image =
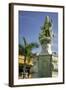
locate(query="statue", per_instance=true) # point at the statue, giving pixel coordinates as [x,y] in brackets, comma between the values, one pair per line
[45,36]
[45,57]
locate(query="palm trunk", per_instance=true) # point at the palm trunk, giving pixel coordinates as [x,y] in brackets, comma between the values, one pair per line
[24,67]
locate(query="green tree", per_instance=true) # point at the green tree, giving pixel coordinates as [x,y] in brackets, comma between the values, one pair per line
[27,52]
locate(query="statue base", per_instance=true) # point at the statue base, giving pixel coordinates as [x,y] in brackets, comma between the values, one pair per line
[45,66]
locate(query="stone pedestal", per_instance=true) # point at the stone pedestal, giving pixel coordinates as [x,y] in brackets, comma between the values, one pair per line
[45,66]
[45,61]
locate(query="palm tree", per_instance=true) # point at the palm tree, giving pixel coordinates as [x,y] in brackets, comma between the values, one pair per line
[27,52]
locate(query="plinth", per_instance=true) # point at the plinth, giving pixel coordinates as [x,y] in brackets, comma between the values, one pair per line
[45,60]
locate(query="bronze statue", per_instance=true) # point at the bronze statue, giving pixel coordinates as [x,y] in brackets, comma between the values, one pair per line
[46,31]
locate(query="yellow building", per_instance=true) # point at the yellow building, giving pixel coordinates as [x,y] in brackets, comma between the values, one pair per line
[21,64]
[21,60]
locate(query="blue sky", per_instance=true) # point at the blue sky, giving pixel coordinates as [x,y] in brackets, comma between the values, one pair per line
[30,26]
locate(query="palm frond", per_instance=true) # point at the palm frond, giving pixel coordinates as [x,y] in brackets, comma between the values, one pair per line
[25,42]
[33,45]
